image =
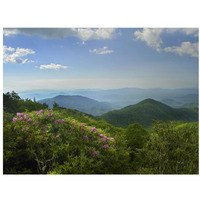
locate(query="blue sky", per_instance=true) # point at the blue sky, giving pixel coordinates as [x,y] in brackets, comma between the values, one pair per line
[83,58]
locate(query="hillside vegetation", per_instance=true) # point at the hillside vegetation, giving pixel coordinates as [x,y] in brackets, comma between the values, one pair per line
[146,111]
[67,141]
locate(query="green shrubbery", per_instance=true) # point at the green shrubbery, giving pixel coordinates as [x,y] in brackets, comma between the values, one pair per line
[45,143]
[171,149]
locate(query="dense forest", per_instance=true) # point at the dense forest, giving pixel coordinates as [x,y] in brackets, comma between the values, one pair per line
[39,140]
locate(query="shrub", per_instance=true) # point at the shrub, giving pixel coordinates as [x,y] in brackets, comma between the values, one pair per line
[171,149]
[57,145]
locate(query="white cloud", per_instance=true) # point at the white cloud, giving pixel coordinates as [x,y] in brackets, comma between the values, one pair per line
[185,48]
[151,36]
[82,33]
[12,55]
[187,31]
[53,66]
[103,50]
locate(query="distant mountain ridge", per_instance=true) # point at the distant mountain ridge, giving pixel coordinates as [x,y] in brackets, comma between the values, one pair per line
[80,103]
[146,111]
[123,96]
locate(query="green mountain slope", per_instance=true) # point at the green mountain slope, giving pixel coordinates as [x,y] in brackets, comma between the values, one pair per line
[146,111]
[80,103]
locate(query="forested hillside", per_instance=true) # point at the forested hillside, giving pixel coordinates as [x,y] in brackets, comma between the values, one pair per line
[146,111]
[67,141]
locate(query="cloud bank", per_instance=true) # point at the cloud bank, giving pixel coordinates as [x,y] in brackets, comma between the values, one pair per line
[152,37]
[187,48]
[53,66]
[103,50]
[15,56]
[60,33]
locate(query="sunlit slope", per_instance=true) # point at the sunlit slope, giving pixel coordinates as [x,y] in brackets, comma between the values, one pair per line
[146,111]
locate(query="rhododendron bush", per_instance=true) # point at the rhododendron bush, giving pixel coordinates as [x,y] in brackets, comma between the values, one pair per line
[47,143]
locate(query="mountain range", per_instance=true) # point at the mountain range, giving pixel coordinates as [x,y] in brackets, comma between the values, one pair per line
[80,103]
[125,96]
[143,112]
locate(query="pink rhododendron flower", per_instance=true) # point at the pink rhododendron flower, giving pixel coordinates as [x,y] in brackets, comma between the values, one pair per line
[49,114]
[15,119]
[105,137]
[95,153]
[63,121]
[100,135]
[23,129]
[57,136]
[104,140]
[35,122]
[20,114]
[57,121]
[83,125]
[21,118]
[85,137]
[112,138]
[41,111]
[105,146]
[93,129]
[28,120]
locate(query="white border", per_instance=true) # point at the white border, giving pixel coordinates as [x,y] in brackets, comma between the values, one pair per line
[103,13]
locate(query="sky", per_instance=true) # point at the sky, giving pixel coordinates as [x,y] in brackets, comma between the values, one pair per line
[99,58]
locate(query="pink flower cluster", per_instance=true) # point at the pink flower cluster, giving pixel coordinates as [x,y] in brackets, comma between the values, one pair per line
[59,121]
[100,135]
[85,137]
[20,114]
[93,129]
[83,125]
[28,120]
[15,119]
[105,146]
[95,153]
[49,114]
[39,112]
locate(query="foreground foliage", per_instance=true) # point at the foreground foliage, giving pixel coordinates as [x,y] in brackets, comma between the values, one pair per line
[171,149]
[43,142]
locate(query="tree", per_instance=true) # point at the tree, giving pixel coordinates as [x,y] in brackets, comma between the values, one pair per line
[55,106]
[136,137]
